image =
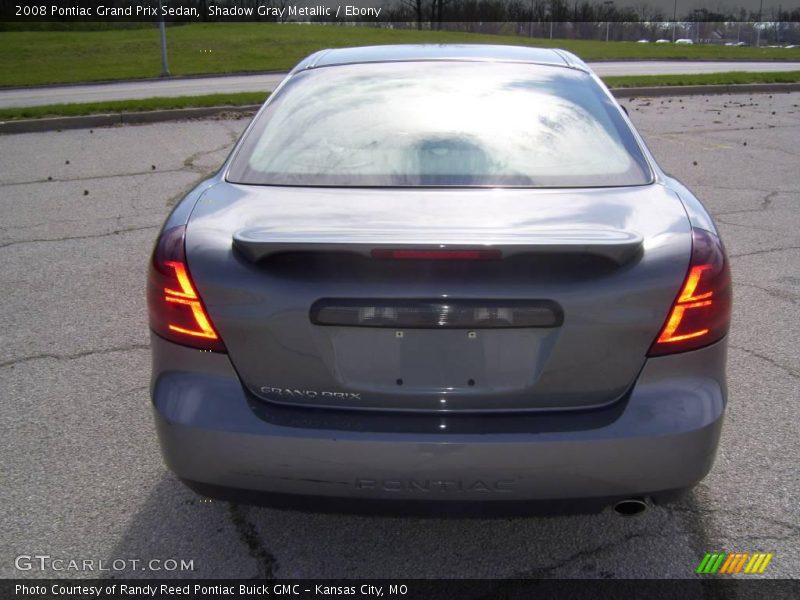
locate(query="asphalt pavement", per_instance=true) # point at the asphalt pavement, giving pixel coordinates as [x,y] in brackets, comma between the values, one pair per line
[81,470]
[266,82]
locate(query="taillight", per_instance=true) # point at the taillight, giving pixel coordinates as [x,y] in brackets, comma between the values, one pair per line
[701,314]
[176,309]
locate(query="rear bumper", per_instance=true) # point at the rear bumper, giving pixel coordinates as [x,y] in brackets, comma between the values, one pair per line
[663,436]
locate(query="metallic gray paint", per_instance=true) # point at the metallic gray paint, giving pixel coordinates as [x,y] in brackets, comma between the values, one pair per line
[441,52]
[612,316]
[664,438]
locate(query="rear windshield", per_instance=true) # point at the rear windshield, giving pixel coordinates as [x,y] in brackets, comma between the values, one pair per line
[440,124]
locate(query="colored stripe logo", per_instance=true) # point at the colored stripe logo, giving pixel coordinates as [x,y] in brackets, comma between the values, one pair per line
[735,562]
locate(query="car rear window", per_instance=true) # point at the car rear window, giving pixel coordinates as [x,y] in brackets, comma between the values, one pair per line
[440,124]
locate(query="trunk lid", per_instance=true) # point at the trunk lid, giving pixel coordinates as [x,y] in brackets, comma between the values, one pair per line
[297,282]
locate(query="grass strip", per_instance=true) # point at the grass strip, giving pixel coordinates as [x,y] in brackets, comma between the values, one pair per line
[41,57]
[145,104]
[726,78]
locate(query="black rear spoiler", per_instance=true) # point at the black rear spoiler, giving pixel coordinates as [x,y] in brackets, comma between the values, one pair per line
[616,245]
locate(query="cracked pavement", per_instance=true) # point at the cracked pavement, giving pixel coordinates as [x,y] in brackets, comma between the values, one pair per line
[82,473]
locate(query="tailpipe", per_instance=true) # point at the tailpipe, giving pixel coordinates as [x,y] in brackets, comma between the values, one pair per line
[630,507]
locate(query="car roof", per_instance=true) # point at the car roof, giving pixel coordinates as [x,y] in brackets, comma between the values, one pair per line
[443,52]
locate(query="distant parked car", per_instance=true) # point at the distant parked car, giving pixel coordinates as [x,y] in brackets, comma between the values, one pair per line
[662,41]
[643,42]
[684,41]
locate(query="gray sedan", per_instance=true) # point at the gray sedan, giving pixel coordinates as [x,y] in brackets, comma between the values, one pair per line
[440,273]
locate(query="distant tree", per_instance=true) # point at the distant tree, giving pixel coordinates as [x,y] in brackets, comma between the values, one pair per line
[417,8]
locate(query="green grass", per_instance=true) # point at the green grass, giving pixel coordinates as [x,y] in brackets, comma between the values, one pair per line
[39,57]
[246,98]
[727,78]
[145,104]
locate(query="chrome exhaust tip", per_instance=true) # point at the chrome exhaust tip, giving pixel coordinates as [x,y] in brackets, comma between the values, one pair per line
[630,507]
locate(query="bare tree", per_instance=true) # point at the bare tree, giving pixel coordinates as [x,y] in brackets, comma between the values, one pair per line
[418,8]
[438,11]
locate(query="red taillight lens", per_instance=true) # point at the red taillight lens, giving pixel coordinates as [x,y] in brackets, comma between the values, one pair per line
[701,314]
[176,309]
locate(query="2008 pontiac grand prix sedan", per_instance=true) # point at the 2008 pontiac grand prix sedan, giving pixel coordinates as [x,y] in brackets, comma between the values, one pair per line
[440,273]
